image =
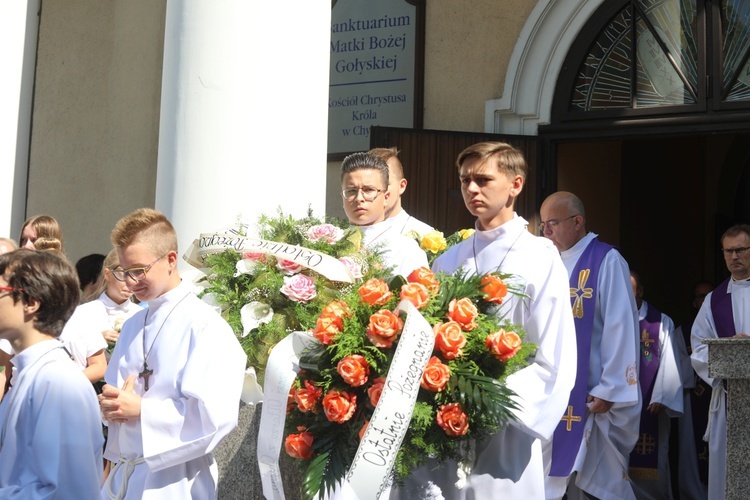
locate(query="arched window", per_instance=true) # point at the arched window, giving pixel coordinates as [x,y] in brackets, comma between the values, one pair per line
[658,57]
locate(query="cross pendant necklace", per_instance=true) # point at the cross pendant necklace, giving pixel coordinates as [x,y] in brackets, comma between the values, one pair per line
[146,372]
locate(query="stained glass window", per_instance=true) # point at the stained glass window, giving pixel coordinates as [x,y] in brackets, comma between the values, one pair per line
[647,56]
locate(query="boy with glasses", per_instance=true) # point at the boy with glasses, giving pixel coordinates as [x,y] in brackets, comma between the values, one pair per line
[605,404]
[179,369]
[724,314]
[364,189]
[50,429]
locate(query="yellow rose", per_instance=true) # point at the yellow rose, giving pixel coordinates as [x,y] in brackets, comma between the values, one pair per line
[433,242]
[465,233]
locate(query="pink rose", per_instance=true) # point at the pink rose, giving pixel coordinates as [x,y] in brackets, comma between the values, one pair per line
[256,256]
[354,269]
[325,232]
[300,288]
[289,266]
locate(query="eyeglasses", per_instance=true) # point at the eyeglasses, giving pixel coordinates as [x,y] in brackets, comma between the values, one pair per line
[553,222]
[10,289]
[739,251]
[368,193]
[136,273]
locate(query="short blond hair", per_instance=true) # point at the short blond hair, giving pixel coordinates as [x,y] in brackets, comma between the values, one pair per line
[147,226]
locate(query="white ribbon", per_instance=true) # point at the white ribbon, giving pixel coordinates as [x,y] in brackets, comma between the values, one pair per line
[281,370]
[322,263]
[370,470]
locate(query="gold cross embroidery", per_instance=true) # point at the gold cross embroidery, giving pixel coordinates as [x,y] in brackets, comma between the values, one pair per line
[581,293]
[570,418]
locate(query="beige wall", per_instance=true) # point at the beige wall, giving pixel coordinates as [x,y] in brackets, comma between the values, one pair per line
[96,116]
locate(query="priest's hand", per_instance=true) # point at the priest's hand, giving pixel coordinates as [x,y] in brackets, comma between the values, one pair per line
[656,408]
[598,405]
[120,405]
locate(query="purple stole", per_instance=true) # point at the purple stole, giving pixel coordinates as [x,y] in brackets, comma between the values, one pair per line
[566,440]
[721,309]
[644,459]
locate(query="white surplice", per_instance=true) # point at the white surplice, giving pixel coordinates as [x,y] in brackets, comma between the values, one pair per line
[399,252]
[510,465]
[406,224]
[51,429]
[602,460]
[705,328]
[82,334]
[667,391]
[191,405]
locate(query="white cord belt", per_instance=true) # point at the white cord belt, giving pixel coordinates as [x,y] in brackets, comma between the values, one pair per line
[128,466]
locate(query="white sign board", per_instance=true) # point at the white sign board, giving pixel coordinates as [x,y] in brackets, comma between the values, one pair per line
[373,49]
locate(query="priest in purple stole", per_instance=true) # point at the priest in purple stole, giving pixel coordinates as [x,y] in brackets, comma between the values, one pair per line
[661,386]
[725,313]
[606,398]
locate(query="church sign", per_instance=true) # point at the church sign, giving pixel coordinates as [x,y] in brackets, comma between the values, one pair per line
[377,50]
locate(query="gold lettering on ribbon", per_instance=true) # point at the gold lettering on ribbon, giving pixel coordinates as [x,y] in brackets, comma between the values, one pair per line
[581,293]
[570,418]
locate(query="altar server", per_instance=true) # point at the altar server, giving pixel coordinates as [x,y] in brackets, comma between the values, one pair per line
[364,188]
[509,464]
[50,428]
[175,376]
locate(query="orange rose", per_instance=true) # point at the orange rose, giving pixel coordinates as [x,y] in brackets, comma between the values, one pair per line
[463,312]
[307,398]
[375,390]
[416,293]
[326,328]
[384,328]
[337,309]
[494,288]
[339,405]
[436,375]
[354,370]
[299,445]
[363,429]
[503,345]
[375,292]
[452,419]
[425,277]
[449,339]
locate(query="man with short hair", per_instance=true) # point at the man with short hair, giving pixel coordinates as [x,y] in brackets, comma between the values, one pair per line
[605,404]
[179,369]
[724,314]
[364,188]
[50,429]
[402,221]
[509,464]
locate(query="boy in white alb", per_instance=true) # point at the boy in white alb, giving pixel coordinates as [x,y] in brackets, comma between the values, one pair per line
[179,369]
[364,188]
[50,429]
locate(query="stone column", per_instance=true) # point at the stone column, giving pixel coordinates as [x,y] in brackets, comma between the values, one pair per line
[19,23]
[244,112]
[730,359]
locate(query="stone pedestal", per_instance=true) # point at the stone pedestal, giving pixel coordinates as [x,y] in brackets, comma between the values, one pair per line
[730,359]
[239,475]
